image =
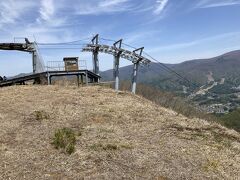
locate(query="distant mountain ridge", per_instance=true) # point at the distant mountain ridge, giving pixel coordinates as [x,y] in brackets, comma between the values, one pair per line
[217,77]
[220,66]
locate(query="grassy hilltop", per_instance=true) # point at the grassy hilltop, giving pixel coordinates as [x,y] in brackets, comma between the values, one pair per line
[113,136]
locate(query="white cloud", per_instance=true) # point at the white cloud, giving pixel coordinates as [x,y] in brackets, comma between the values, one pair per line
[95,7]
[198,49]
[108,3]
[216,3]
[49,14]
[12,10]
[138,38]
[160,6]
[197,42]
[47,9]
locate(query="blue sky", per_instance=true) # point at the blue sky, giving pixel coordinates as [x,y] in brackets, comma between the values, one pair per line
[170,30]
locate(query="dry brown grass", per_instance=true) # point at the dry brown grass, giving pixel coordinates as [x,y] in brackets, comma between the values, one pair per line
[119,136]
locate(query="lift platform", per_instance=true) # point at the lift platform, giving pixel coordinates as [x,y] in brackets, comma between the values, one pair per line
[83,77]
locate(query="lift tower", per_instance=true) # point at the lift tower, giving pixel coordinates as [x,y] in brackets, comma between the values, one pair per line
[31,47]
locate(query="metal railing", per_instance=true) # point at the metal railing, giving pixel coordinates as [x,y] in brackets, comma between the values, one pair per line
[60,65]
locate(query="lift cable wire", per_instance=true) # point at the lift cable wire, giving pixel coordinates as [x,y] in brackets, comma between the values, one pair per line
[173,82]
[49,44]
[168,79]
[208,92]
[160,64]
[66,43]
[193,84]
[111,40]
[171,70]
[60,48]
[165,78]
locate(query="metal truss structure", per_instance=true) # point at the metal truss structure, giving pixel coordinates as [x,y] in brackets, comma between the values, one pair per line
[31,47]
[125,54]
[118,52]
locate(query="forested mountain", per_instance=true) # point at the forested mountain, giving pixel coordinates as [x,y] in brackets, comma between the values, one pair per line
[215,82]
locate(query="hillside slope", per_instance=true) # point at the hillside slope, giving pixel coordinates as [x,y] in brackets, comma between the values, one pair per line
[119,136]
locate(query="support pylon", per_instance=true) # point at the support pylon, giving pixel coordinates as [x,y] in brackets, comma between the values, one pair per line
[95,55]
[135,70]
[116,62]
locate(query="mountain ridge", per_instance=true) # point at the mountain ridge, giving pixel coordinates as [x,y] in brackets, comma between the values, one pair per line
[218,78]
[221,58]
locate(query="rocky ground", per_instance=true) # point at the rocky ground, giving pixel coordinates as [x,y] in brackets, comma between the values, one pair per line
[119,136]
